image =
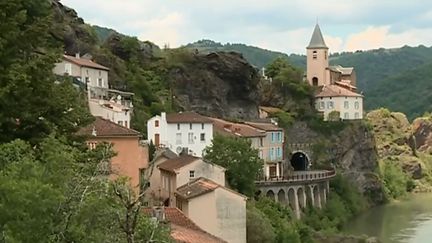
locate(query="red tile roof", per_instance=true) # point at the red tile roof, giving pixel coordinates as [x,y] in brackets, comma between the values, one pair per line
[84,62]
[186,117]
[199,187]
[336,91]
[105,128]
[235,129]
[264,126]
[173,164]
[183,229]
[269,109]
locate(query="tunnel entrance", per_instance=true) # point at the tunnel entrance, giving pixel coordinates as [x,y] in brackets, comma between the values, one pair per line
[299,161]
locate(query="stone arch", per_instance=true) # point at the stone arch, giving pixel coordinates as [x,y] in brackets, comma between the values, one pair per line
[299,160]
[292,198]
[309,196]
[270,194]
[301,197]
[314,81]
[323,193]
[281,197]
[316,194]
[258,194]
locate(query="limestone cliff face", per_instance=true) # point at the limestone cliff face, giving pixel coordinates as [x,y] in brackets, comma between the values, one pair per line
[220,84]
[350,148]
[394,140]
[422,131]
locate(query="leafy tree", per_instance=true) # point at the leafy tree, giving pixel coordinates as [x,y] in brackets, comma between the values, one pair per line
[258,227]
[239,158]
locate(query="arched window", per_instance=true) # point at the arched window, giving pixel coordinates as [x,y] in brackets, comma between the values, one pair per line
[314,54]
[315,81]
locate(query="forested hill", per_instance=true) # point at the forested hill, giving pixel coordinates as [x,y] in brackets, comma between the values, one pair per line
[379,72]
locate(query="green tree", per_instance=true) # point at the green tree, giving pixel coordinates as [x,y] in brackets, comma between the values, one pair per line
[258,227]
[239,158]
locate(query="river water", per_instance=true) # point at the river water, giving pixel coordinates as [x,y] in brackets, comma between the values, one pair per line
[407,221]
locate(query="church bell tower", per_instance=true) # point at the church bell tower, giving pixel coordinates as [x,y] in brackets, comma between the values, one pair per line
[317,59]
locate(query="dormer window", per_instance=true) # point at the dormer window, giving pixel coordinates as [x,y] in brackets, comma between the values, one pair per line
[314,54]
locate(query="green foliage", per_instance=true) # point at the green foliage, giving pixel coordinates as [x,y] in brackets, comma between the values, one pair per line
[258,222]
[396,182]
[285,119]
[334,116]
[241,161]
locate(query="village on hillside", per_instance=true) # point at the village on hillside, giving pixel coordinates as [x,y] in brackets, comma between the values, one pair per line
[180,186]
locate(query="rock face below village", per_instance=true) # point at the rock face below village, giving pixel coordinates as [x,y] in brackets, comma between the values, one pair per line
[219,84]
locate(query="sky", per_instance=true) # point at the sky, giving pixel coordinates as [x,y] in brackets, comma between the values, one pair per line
[279,25]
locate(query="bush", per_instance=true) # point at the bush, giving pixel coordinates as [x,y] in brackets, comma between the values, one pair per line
[396,182]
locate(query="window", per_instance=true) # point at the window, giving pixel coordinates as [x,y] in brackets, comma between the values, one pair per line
[279,153]
[314,54]
[92,145]
[87,71]
[346,115]
[356,115]
[178,126]
[356,105]
[272,137]
[68,68]
[325,55]
[202,126]
[346,105]
[329,104]
[272,154]
[322,105]
[280,136]
[261,142]
[315,81]
[126,124]
[100,73]
[191,174]
[120,123]
[157,123]
[178,138]
[202,137]
[190,126]
[190,138]
[87,79]
[100,82]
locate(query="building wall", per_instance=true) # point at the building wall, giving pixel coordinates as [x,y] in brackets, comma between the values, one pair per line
[202,211]
[83,72]
[168,135]
[130,159]
[352,112]
[118,116]
[201,169]
[273,152]
[231,216]
[155,193]
[317,67]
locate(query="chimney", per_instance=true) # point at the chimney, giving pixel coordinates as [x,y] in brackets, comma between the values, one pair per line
[163,116]
[159,213]
[77,55]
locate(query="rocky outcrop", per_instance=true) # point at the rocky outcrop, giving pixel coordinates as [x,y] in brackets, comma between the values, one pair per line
[422,131]
[393,134]
[220,84]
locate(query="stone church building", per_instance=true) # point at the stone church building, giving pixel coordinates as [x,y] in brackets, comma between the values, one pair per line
[337,96]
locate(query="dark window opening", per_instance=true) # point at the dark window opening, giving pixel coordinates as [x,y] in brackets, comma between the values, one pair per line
[315,81]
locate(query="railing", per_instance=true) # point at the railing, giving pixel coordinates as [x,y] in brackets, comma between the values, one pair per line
[301,176]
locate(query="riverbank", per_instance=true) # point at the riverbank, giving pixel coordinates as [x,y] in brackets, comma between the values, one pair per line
[408,220]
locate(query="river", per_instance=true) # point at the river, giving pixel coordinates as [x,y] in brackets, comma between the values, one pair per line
[407,221]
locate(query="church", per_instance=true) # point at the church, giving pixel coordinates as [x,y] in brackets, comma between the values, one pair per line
[336,97]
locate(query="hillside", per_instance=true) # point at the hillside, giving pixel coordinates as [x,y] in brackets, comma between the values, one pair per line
[383,74]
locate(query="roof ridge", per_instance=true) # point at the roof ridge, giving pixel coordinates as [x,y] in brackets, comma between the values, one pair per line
[118,125]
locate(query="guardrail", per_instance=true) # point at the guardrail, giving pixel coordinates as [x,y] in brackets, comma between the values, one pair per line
[299,176]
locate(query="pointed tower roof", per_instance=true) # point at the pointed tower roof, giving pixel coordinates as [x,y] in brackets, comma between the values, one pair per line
[317,40]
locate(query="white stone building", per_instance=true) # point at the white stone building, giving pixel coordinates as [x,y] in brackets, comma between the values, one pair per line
[336,85]
[185,131]
[110,104]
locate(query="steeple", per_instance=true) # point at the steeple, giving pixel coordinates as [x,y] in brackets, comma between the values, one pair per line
[317,40]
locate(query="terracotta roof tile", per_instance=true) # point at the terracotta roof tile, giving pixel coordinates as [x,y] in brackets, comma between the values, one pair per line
[84,62]
[175,163]
[235,129]
[269,109]
[199,187]
[264,126]
[186,117]
[183,229]
[105,128]
[336,91]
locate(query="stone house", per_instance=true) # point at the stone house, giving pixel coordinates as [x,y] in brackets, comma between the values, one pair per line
[169,171]
[108,103]
[132,156]
[215,208]
[266,111]
[181,132]
[183,230]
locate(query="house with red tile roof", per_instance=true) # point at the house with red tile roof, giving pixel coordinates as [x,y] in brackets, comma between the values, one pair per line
[181,132]
[131,157]
[108,103]
[336,85]
[183,229]
[167,173]
[225,209]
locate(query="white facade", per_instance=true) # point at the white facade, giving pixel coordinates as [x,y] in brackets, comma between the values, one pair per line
[188,135]
[115,112]
[350,108]
[197,169]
